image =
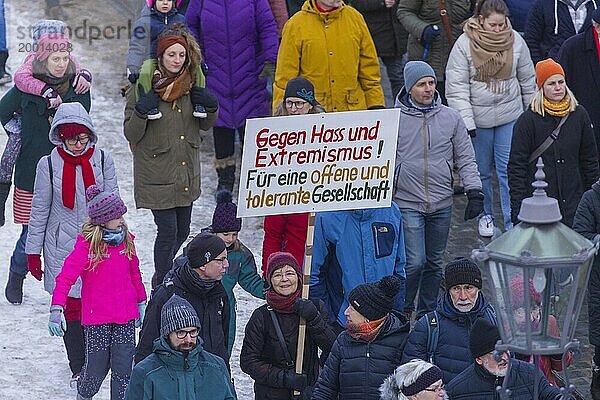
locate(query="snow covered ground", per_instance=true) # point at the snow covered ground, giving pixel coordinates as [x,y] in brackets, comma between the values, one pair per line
[34,365]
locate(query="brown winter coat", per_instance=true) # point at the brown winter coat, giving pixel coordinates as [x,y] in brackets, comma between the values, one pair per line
[416,15]
[166,153]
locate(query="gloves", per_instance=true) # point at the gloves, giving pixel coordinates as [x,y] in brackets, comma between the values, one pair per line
[268,71]
[147,101]
[82,81]
[305,308]
[376,108]
[142,310]
[51,97]
[430,34]
[133,77]
[472,132]
[295,381]
[57,324]
[200,95]
[34,264]
[474,204]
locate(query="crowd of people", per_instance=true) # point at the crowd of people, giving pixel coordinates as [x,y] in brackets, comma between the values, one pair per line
[481,89]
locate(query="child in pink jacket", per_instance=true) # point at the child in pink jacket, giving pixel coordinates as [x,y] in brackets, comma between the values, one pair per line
[26,81]
[113,297]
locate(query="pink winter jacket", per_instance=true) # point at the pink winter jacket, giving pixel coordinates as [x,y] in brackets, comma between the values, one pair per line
[110,292]
[24,80]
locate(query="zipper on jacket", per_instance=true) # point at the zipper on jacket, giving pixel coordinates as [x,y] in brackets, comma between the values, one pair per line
[426,172]
[376,241]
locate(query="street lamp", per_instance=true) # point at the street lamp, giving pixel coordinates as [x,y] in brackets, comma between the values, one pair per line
[538,273]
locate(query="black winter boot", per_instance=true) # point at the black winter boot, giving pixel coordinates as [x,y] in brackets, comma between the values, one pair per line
[5,77]
[4,190]
[14,288]
[595,386]
[226,172]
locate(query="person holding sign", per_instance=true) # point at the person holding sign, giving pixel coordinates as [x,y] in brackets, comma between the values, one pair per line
[329,43]
[431,138]
[270,343]
[287,232]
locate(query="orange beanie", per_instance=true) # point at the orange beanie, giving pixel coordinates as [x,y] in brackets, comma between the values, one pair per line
[545,69]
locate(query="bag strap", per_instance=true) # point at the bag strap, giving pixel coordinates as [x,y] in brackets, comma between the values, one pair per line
[548,142]
[446,21]
[286,353]
[433,330]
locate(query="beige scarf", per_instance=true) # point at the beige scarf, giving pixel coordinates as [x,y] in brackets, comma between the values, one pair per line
[492,54]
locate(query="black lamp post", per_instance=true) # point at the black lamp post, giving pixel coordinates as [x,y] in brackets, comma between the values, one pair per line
[538,272]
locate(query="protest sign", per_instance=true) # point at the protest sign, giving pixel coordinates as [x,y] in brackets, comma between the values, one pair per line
[318,162]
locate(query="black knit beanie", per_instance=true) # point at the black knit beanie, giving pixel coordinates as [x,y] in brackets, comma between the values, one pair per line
[375,300]
[204,248]
[483,337]
[302,88]
[462,271]
[224,218]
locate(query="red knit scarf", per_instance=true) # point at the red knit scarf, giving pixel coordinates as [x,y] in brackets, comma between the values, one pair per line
[68,175]
[366,331]
[283,304]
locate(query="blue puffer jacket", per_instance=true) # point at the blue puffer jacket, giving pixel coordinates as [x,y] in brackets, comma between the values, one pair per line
[355,369]
[452,354]
[355,247]
[477,383]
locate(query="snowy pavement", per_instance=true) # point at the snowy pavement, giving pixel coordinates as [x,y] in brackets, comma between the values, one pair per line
[34,365]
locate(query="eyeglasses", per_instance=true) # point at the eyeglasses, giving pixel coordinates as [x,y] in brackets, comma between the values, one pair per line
[436,389]
[297,104]
[181,334]
[83,139]
[221,260]
[278,276]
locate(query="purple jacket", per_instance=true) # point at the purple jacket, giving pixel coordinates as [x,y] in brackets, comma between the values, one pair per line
[236,37]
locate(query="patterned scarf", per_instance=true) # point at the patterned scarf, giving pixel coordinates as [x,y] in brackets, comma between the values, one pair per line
[559,109]
[366,331]
[492,54]
[69,173]
[171,87]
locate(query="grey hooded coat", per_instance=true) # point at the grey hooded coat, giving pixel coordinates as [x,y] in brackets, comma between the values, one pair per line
[53,227]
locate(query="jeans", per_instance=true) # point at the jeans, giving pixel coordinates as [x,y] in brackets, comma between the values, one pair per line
[173,228]
[18,260]
[425,237]
[395,72]
[2,28]
[492,147]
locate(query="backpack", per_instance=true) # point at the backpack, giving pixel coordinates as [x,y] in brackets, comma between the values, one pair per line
[433,330]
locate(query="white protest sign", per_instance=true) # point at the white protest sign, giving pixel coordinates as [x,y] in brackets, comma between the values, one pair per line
[318,162]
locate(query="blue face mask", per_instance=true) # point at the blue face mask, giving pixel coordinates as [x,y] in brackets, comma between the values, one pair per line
[113,237]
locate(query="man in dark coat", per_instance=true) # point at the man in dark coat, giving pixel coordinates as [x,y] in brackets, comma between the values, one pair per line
[579,57]
[518,13]
[179,364]
[389,36]
[480,379]
[587,223]
[196,277]
[457,310]
[551,22]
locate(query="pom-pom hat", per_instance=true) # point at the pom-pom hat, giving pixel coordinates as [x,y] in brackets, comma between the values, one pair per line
[224,218]
[103,206]
[375,300]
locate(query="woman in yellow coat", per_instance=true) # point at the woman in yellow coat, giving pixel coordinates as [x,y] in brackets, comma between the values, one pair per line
[328,43]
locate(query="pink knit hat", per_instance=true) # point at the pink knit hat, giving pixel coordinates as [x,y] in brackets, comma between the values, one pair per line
[50,43]
[103,206]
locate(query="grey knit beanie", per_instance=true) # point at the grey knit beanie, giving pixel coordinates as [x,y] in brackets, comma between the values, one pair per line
[415,70]
[177,313]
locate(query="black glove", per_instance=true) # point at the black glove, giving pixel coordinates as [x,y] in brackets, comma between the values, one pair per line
[430,34]
[376,108]
[472,132]
[474,204]
[147,101]
[305,308]
[133,77]
[203,96]
[295,381]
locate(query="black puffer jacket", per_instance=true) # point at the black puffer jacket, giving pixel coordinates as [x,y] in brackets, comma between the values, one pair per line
[570,163]
[477,383]
[263,358]
[211,305]
[355,369]
[587,223]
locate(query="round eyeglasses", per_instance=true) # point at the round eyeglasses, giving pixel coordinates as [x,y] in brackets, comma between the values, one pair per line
[181,334]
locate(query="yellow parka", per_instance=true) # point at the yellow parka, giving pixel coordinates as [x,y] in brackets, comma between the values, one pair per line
[336,53]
